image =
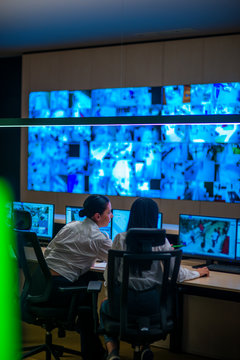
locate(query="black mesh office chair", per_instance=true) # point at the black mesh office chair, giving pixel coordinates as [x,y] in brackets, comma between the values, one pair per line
[141,317]
[35,294]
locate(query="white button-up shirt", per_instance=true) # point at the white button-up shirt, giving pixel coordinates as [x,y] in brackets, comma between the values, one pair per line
[76,247]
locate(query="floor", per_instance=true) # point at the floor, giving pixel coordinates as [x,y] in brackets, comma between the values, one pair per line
[32,335]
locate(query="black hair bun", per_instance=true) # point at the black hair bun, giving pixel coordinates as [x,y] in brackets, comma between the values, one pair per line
[82,213]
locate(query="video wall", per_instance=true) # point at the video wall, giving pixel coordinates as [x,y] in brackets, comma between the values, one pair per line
[201,99]
[185,161]
[190,162]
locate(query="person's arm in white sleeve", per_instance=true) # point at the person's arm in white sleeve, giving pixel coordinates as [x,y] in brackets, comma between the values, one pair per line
[184,273]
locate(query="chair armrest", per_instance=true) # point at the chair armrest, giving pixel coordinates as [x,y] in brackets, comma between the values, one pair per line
[72,289]
[94,286]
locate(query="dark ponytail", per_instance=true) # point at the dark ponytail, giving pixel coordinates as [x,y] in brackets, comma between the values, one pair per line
[94,204]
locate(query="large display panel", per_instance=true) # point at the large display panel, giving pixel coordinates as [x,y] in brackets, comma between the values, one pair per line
[211,238]
[120,221]
[42,218]
[72,214]
[178,162]
[197,99]
[238,242]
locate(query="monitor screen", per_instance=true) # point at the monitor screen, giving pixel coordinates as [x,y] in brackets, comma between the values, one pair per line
[208,237]
[120,221]
[238,241]
[42,218]
[72,214]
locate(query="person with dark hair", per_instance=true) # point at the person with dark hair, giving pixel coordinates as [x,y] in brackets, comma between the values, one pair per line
[70,256]
[143,214]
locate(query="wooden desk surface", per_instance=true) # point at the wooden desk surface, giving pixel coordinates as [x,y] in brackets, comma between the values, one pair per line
[216,280]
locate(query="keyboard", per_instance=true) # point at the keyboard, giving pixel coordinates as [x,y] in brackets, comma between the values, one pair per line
[232,269]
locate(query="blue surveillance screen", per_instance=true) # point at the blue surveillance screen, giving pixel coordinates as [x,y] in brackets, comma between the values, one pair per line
[120,221]
[173,161]
[179,162]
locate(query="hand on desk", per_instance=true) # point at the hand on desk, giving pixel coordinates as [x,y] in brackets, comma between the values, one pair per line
[203,271]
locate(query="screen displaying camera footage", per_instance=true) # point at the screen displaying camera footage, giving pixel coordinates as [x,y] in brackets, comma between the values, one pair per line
[184,162]
[202,99]
[120,221]
[207,236]
[42,217]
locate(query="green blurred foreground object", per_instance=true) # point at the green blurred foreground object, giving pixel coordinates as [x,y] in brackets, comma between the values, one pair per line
[10,345]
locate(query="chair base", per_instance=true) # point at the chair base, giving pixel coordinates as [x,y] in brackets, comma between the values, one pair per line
[51,350]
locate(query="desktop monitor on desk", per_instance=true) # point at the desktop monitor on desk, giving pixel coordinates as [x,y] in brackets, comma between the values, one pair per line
[238,242]
[209,238]
[42,218]
[120,221]
[72,214]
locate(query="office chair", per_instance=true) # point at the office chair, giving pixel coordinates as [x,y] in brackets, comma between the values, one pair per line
[34,296]
[156,315]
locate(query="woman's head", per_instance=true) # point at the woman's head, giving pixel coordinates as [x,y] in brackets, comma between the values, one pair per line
[143,214]
[98,208]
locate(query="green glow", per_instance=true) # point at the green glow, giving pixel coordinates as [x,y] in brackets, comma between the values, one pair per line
[10,345]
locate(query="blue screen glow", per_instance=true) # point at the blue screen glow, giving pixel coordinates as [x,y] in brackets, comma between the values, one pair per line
[202,99]
[190,162]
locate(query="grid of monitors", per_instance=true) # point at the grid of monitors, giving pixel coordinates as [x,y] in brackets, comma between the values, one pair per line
[192,99]
[72,214]
[176,162]
[42,218]
[238,242]
[211,238]
[120,221]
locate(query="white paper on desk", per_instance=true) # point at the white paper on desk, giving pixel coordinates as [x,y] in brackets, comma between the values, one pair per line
[100,265]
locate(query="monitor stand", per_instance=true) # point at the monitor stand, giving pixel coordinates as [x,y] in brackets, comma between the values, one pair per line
[197,266]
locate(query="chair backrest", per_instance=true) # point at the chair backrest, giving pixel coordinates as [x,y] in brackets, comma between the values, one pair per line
[31,260]
[144,314]
[22,220]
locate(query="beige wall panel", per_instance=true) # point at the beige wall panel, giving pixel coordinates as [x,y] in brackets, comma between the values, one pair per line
[74,69]
[221,59]
[172,208]
[183,61]
[219,209]
[144,64]
[108,67]
[209,327]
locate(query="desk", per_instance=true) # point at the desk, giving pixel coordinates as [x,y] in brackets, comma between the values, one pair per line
[209,321]
[210,316]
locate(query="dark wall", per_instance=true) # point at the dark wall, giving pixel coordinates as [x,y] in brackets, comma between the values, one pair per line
[10,107]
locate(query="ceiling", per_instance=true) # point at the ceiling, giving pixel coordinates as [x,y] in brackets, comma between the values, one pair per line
[43,25]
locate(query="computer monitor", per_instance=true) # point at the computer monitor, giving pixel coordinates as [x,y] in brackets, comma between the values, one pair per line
[42,218]
[206,237]
[238,242]
[72,214]
[120,221]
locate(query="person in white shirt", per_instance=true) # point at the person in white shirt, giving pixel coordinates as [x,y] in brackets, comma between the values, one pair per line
[143,214]
[70,256]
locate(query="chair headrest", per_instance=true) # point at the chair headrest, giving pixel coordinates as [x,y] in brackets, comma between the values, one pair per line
[22,220]
[142,240]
